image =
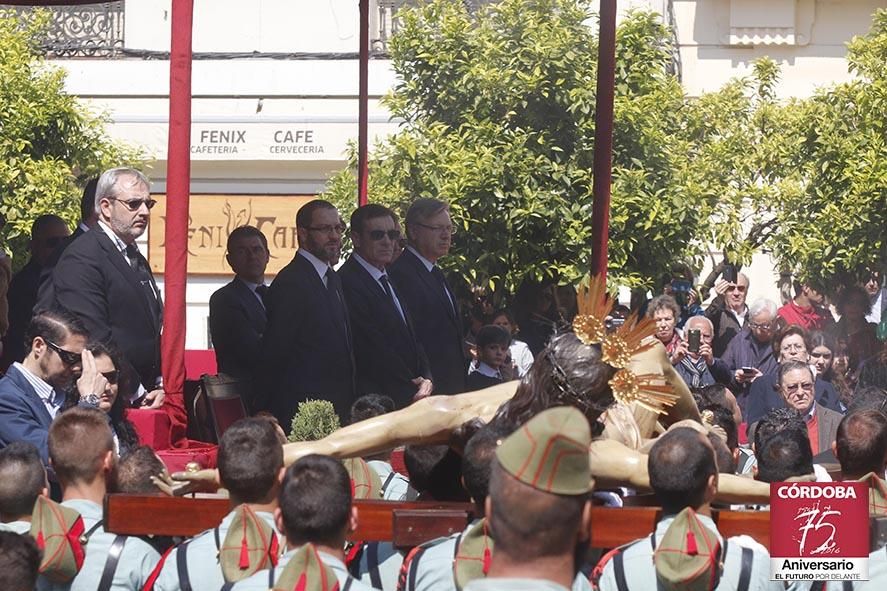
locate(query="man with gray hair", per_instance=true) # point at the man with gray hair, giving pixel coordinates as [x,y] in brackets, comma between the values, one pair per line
[104,280]
[421,283]
[750,354]
[728,312]
[694,359]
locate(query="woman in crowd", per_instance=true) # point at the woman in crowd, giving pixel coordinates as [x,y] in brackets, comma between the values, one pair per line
[789,344]
[112,400]
[666,312]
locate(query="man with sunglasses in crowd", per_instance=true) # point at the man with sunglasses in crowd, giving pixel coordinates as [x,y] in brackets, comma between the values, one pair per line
[389,359]
[32,392]
[48,232]
[306,346]
[104,280]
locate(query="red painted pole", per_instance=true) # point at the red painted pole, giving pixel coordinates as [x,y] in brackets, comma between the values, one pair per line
[603,137]
[362,102]
[178,189]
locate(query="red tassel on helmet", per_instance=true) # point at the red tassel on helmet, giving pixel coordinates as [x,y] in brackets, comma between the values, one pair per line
[692,549]
[488,557]
[302,584]
[244,550]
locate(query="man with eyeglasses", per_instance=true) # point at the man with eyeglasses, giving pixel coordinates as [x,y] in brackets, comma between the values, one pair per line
[797,386]
[728,312]
[47,233]
[750,354]
[306,348]
[389,359]
[422,285]
[103,279]
[32,392]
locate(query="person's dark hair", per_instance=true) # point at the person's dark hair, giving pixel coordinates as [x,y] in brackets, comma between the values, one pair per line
[788,366]
[78,441]
[368,212]
[492,334]
[723,418]
[44,221]
[566,373]
[479,454]
[861,443]
[783,455]
[87,200]
[369,406]
[723,455]
[422,209]
[818,338]
[712,394]
[250,458]
[315,500]
[527,523]
[776,420]
[679,465]
[869,397]
[135,469]
[245,232]
[127,436]
[22,478]
[791,329]
[53,325]
[503,312]
[434,472]
[19,562]
[853,292]
[305,215]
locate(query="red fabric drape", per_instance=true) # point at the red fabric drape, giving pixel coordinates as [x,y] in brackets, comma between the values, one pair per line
[178,188]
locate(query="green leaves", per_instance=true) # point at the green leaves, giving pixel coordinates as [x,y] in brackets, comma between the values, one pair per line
[49,142]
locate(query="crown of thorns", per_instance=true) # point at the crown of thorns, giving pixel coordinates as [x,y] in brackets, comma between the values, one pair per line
[618,348]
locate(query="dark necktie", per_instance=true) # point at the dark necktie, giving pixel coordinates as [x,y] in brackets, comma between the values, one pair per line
[386,285]
[439,276]
[262,291]
[140,266]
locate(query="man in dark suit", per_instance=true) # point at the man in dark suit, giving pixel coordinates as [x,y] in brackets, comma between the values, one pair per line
[389,360]
[306,348]
[423,287]
[32,392]
[103,279]
[237,310]
[47,234]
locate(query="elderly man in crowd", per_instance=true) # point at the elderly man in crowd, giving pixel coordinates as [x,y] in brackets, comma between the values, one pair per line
[694,359]
[750,354]
[103,279]
[728,312]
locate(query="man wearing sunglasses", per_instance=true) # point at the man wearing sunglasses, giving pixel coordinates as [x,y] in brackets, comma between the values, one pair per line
[32,392]
[103,279]
[47,233]
[388,357]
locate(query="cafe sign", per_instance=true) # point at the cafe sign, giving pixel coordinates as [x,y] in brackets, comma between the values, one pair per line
[211,218]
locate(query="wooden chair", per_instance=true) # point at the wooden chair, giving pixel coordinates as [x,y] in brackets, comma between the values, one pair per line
[220,403]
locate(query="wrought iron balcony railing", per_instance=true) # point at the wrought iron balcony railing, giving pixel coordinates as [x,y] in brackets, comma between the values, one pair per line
[87,30]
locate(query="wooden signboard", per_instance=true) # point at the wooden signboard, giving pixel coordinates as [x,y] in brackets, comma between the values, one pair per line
[211,219]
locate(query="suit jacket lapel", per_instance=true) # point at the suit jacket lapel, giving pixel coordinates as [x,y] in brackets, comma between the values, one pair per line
[118,260]
[31,398]
[432,284]
[253,307]
[375,288]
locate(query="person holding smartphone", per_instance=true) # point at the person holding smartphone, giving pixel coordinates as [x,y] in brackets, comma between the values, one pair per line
[728,311]
[694,359]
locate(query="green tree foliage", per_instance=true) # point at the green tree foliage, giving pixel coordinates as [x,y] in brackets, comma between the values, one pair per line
[49,143]
[314,419]
[836,225]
